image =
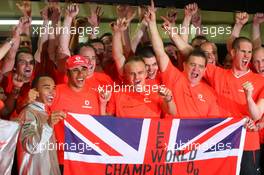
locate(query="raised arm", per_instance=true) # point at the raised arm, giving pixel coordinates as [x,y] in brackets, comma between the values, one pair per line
[9,60]
[53,37]
[5,47]
[189,11]
[183,46]
[127,12]
[140,31]
[71,12]
[94,20]
[117,50]
[157,43]
[197,22]
[241,19]
[25,9]
[258,19]
[43,37]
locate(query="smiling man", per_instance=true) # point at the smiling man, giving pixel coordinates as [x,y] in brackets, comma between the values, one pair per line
[37,131]
[76,96]
[24,69]
[258,60]
[133,100]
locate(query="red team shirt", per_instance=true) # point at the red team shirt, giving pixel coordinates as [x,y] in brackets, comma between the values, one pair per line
[7,84]
[83,102]
[191,102]
[232,98]
[135,105]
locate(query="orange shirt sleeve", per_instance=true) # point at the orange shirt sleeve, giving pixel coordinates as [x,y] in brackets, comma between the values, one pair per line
[210,73]
[170,75]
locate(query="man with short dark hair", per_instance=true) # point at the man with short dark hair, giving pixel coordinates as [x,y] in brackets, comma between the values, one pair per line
[17,83]
[228,85]
[137,99]
[37,132]
[76,96]
[193,97]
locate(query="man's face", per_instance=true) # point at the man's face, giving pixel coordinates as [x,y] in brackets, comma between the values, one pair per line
[171,51]
[210,53]
[107,40]
[258,61]
[77,77]
[151,67]
[25,64]
[99,50]
[135,73]
[194,69]
[197,42]
[89,54]
[25,42]
[242,56]
[227,63]
[46,89]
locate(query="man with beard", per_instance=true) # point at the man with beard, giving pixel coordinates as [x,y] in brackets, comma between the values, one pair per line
[193,97]
[75,96]
[37,131]
[24,68]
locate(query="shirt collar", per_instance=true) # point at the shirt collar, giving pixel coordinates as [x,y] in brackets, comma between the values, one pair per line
[241,75]
[38,106]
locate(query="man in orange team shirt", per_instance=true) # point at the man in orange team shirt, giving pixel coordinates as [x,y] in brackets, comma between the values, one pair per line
[75,96]
[229,87]
[147,54]
[86,50]
[192,96]
[258,64]
[135,100]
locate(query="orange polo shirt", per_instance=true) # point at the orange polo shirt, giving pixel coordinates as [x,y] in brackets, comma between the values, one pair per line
[135,105]
[191,102]
[83,102]
[232,97]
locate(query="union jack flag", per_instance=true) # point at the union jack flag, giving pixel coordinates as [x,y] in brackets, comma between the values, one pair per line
[107,145]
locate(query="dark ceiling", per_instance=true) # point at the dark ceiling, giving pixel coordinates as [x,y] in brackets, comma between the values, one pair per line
[250,6]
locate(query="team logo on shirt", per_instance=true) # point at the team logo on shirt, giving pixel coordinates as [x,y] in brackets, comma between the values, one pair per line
[200,97]
[147,100]
[87,104]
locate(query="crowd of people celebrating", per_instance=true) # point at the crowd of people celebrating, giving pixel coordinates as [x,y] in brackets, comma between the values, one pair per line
[148,78]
